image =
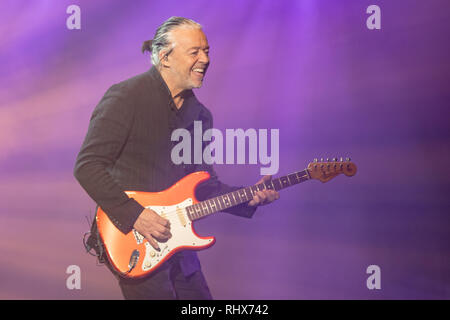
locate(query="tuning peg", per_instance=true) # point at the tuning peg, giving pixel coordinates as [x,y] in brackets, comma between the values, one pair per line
[321,159]
[334,159]
[347,159]
[328,160]
[315,160]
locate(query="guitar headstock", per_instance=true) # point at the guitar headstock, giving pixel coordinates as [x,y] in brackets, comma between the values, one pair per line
[327,170]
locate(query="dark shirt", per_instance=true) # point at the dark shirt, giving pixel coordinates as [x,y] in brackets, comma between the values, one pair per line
[128,148]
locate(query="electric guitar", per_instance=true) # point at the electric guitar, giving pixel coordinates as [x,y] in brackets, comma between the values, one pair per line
[132,256]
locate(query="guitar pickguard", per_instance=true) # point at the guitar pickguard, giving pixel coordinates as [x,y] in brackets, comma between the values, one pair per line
[181,230]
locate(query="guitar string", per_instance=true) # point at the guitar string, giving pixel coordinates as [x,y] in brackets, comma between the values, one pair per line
[174,213]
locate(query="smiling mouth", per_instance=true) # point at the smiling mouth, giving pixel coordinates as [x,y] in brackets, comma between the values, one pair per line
[199,71]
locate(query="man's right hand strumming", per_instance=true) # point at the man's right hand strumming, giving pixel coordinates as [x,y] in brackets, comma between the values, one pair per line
[152,227]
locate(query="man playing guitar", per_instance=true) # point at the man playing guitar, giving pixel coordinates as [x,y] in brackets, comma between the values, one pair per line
[127,147]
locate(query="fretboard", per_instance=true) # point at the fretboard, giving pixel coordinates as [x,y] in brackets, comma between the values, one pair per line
[231,199]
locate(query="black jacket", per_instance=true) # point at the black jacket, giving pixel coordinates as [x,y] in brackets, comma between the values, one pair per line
[128,147]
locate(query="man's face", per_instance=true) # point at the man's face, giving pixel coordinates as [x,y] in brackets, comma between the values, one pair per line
[189,59]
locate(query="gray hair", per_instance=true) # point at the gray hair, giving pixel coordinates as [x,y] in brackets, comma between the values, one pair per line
[162,40]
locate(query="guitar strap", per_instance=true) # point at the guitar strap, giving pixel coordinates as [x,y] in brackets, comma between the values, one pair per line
[95,243]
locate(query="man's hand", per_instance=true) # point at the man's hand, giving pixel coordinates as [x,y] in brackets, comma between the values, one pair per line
[264,197]
[152,227]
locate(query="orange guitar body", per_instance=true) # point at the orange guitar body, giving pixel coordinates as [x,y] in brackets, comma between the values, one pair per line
[131,254]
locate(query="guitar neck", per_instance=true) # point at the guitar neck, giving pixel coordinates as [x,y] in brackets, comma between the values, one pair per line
[234,198]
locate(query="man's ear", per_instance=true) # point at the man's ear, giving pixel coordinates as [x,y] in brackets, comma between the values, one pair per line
[164,59]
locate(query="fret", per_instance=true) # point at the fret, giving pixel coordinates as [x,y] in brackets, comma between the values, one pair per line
[189,213]
[229,199]
[226,201]
[269,185]
[253,191]
[236,199]
[222,203]
[213,205]
[232,202]
[210,210]
[193,212]
[292,178]
[301,176]
[232,198]
[241,195]
[217,202]
[308,176]
[198,210]
[247,192]
[278,185]
[284,182]
[204,208]
[194,215]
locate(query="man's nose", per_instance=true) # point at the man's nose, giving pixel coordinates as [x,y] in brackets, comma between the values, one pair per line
[204,58]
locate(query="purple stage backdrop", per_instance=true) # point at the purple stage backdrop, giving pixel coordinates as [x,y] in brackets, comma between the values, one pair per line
[310,68]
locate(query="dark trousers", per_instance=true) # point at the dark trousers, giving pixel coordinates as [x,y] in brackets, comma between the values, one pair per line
[167,283]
